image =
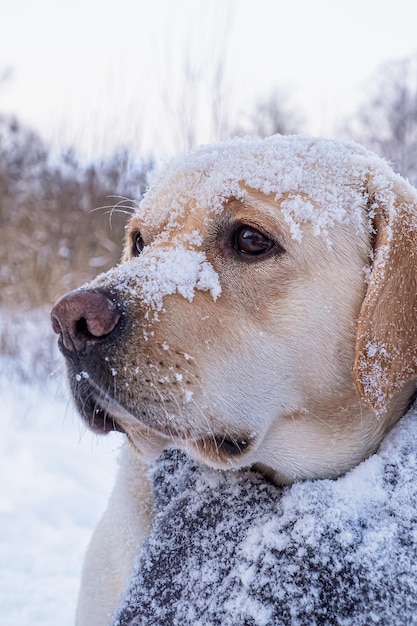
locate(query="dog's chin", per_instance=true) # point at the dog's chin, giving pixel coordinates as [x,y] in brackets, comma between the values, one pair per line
[103,414]
[103,417]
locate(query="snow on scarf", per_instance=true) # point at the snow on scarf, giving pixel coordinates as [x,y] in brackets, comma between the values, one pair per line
[231,549]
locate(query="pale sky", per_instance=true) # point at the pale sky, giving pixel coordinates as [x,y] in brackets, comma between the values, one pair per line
[98,74]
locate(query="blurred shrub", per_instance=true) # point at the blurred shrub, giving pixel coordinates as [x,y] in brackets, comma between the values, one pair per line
[28,347]
[52,237]
[387,120]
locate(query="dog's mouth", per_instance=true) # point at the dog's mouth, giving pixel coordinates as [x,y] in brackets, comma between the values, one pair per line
[224,446]
[97,408]
[104,414]
[98,418]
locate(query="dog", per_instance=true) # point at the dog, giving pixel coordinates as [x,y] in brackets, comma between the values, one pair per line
[263,314]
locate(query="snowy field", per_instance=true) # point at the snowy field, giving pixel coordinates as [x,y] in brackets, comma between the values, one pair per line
[56,477]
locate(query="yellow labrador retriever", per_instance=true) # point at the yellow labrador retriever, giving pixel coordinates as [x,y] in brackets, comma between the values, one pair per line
[264,312]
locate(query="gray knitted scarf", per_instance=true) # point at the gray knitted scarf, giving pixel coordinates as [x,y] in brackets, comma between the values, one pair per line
[231,549]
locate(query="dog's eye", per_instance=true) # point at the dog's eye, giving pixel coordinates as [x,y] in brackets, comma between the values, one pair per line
[249,241]
[137,243]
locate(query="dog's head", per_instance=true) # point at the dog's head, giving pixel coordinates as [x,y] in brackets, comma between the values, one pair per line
[264,310]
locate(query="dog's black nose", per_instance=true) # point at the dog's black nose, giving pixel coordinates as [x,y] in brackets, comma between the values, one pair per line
[84,317]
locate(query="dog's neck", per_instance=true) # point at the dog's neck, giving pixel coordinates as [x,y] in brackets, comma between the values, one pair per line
[308,445]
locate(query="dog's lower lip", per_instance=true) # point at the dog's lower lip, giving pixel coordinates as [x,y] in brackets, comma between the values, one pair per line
[224,446]
[101,421]
[93,405]
[231,446]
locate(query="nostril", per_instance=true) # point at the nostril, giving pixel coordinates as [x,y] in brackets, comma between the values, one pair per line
[83,317]
[81,328]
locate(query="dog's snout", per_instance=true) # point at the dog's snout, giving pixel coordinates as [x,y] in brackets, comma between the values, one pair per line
[83,317]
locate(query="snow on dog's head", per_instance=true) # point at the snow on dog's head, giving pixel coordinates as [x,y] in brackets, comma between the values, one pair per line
[246,269]
[316,181]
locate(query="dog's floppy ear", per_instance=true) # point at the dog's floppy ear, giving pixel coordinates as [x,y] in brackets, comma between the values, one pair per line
[386,342]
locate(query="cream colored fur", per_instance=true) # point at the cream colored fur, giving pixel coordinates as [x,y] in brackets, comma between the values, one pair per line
[116,540]
[271,361]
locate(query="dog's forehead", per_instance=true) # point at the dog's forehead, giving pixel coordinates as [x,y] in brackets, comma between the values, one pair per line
[318,181]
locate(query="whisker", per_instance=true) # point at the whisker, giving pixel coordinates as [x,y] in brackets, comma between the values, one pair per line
[119,207]
[114,209]
[322,420]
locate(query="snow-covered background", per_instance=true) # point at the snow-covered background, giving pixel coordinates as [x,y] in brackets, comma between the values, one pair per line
[55,478]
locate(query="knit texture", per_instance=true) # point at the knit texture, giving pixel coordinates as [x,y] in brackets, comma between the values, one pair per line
[231,549]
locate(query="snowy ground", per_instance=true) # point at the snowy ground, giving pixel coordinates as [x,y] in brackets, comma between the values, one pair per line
[56,478]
